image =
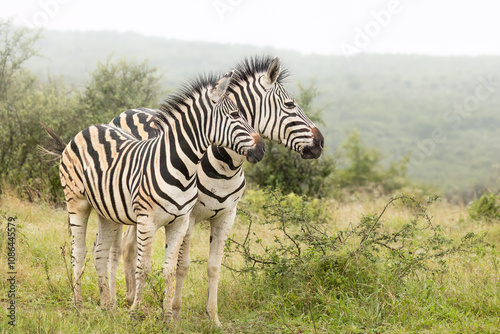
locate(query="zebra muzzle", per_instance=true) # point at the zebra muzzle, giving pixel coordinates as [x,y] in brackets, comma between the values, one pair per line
[314,151]
[256,153]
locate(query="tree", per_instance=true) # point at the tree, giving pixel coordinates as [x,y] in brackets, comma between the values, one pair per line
[114,87]
[284,168]
[25,101]
[16,47]
[360,166]
[362,163]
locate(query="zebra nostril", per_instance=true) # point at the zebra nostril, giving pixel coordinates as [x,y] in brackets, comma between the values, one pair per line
[319,140]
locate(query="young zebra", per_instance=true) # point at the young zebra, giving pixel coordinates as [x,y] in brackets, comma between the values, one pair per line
[148,183]
[272,111]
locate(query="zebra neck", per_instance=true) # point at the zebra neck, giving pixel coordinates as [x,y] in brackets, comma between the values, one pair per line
[227,156]
[249,96]
[185,143]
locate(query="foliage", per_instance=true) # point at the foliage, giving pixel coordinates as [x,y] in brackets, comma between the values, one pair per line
[17,45]
[114,87]
[322,296]
[396,101]
[396,247]
[360,167]
[486,207]
[24,166]
[296,209]
[307,265]
[296,175]
[25,101]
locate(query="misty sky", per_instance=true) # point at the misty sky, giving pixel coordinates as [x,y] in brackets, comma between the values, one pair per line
[438,27]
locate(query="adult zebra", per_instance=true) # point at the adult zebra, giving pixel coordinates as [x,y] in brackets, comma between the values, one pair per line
[272,111]
[148,183]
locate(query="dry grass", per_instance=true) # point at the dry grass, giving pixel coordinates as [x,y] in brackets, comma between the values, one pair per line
[466,298]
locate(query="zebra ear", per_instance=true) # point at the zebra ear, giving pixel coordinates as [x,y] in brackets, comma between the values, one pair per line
[220,89]
[273,71]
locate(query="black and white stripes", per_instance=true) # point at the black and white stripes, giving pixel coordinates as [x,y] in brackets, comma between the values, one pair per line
[258,91]
[148,183]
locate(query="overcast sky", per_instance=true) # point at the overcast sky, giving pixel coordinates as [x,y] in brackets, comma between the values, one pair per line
[437,27]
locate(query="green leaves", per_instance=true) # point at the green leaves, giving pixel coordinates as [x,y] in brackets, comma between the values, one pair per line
[116,86]
[25,101]
[486,207]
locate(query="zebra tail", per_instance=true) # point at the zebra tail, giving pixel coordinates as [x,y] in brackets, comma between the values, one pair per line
[55,147]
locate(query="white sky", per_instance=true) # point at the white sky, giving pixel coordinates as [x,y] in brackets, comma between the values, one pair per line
[437,27]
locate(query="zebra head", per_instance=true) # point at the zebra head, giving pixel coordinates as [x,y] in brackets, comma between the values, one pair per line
[229,128]
[271,110]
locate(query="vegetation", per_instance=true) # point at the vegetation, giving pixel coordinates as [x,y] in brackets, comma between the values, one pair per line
[320,246]
[113,87]
[360,269]
[396,102]
[486,207]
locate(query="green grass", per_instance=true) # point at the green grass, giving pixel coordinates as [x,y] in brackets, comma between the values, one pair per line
[367,298]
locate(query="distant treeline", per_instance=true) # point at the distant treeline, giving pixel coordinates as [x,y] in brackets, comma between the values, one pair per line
[441,113]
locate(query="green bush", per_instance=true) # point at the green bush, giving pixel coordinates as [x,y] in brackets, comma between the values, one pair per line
[25,101]
[309,266]
[486,207]
[116,86]
[294,208]
[360,168]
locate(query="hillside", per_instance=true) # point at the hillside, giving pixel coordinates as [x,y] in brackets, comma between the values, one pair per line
[401,104]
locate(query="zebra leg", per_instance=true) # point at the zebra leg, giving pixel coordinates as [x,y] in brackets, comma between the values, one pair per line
[114,261]
[146,230]
[174,235]
[107,233]
[219,230]
[79,211]
[183,263]
[129,253]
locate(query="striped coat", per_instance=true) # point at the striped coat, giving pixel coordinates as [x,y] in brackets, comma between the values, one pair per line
[147,183]
[271,110]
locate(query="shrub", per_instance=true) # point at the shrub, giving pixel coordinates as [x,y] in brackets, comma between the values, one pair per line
[360,168]
[486,207]
[308,264]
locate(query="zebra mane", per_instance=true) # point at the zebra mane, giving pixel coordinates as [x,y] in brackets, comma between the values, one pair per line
[176,100]
[251,66]
[248,67]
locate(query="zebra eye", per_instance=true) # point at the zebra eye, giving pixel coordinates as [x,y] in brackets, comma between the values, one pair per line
[290,104]
[234,114]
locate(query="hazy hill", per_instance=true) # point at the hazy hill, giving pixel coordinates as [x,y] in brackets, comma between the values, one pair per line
[401,104]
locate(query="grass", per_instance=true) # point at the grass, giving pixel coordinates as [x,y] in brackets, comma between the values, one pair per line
[463,298]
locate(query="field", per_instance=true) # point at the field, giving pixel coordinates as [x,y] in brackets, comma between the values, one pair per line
[455,289]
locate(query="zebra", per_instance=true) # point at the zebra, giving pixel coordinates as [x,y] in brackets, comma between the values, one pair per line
[147,183]
[272,111]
